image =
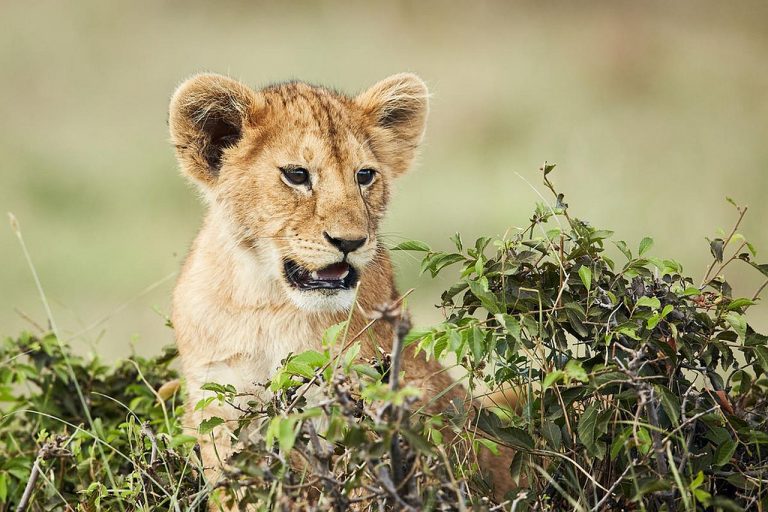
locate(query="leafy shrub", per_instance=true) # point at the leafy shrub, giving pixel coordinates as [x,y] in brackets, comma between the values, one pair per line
[644,389]
[640,389]
[120,447]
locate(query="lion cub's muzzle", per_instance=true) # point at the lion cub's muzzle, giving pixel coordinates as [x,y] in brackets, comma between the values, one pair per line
[338,276]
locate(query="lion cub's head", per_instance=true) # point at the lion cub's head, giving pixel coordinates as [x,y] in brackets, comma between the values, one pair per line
[299,174]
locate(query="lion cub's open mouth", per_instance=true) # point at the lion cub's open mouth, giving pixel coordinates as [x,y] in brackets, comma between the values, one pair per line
[339,276]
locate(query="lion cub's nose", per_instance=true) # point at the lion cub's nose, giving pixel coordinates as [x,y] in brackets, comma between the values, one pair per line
[345,245]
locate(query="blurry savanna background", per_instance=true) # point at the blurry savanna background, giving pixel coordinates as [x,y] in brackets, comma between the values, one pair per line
[655,111]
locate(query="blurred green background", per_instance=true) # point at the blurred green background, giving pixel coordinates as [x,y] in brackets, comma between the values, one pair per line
[655,112]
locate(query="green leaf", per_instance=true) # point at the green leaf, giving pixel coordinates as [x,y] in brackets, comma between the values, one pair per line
[669,402]
[552,434]
[481,243]
[436,436]
[586,276]
[331,334]
[716,247]
[313,358]
[487,299]
[415,335]
[426,344]
[454,340]
[553,233]
[587,429]
[666,267]
[420,443]
[551,378]
[207,425]
[653,321]
[738,322]
[286,435]
[724,452]
[282,380]
[629,331]
[477,344]
[183,440]
[412,245]
[456,239]
[516,466]
[574,371]
[490,423]
[696,482]
[648,302]
[367,370]
[283,430]
[619,442]
[351,355]
[205,402]
[761,353]
[510,324]
[645,245]
[492,446]
[479,266]
[303,369]
[622,246]
[441,343]
[600,234]
[643,440]
[705,498]
[224,389]
[739,303]
[439,260]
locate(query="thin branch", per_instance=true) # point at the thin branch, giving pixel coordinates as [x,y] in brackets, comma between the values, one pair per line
[742,212]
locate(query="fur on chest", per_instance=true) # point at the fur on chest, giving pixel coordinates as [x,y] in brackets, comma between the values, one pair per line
[222,345]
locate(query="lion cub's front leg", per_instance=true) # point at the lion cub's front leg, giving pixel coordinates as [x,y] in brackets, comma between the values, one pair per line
[216,446]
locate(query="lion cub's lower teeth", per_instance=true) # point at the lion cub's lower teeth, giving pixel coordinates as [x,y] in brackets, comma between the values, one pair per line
[316,277]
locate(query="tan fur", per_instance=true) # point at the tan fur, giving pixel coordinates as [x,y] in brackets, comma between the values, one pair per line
[234,314]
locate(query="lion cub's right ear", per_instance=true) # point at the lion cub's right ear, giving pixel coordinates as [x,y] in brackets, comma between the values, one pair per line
[207,115]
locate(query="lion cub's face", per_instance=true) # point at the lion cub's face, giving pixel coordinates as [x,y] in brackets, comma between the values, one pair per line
[301,174]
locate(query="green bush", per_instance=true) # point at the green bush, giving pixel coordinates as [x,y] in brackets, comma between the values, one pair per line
[642,390]
[100,436]
[645,389]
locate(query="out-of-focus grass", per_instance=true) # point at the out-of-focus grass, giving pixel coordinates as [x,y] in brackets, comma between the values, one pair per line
[655,112]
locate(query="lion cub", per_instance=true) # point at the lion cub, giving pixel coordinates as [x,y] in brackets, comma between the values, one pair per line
[297,179]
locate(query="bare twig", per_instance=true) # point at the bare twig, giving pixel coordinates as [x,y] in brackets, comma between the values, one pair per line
[613,487]
[49,450]
[759,291]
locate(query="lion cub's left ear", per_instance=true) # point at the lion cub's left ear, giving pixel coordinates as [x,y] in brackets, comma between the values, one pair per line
[397,110]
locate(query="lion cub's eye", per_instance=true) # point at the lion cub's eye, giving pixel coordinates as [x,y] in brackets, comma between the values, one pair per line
[296,175]
[365,176]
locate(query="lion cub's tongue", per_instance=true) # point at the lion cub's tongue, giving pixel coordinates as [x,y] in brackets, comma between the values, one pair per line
[335,272]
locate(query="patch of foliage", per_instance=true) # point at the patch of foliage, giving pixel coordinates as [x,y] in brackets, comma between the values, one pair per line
[120,447]
[640,389]
[643,388]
